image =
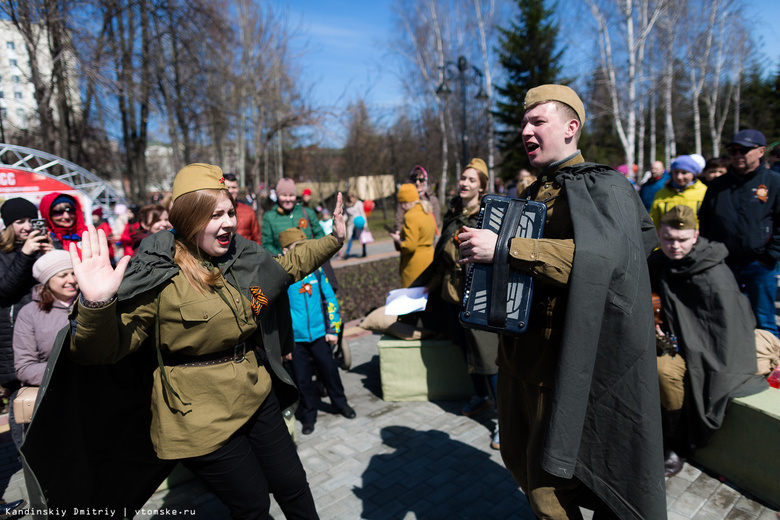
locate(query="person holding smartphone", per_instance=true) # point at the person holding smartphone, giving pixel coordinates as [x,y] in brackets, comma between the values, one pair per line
[20,246]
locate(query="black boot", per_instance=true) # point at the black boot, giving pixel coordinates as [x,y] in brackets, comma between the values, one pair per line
[672,424]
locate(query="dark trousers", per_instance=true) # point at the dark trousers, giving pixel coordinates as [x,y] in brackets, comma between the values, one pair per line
[327,370]
[760,285]
[260,458]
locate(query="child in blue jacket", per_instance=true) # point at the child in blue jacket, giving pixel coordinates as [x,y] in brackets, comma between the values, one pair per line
[316,331]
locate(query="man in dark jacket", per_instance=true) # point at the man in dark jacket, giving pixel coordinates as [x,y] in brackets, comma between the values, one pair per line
[578,407]
[714,326]
[657,180]
[742,210]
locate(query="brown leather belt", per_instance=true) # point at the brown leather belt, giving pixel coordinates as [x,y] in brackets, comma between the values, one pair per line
[235,354]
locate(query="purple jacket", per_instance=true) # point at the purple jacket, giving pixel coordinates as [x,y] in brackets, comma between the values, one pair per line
[34,335]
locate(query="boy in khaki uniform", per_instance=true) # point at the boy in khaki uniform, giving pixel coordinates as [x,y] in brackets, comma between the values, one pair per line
[570,436]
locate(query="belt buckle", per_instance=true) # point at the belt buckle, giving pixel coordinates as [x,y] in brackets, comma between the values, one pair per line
[242,347]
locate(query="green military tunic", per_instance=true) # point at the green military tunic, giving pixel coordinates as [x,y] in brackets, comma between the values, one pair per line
[532,357]
[204,405]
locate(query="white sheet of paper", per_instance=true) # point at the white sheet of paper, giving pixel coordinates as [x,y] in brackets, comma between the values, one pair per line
[404,301]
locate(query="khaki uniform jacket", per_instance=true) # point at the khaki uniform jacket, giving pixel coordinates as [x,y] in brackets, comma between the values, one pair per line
[93,438]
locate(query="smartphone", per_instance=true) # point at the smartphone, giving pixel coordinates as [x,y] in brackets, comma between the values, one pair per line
[39,224]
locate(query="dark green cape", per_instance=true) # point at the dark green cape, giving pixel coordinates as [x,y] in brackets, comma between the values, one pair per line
[605,418]
[715,329]
[88,445]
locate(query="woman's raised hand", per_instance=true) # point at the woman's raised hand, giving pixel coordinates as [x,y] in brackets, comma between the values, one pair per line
[98,281]
[339,227]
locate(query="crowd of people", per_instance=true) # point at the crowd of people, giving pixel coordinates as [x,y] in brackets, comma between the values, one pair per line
[227,324]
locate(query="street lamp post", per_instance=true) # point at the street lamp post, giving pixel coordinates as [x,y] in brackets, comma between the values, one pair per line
[465,74]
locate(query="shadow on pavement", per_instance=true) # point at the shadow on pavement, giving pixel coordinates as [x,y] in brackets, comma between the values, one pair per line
[371,378]
[424,473]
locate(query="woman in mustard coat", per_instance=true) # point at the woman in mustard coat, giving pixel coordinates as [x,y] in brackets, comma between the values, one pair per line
[415,241]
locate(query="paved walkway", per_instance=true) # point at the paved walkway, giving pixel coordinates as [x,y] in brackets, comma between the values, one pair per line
[420,460]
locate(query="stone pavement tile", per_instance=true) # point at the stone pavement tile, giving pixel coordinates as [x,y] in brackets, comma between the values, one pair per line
[337,494]
[768,515]
[722,501]
[748,506]
[345,509]
[675,487]
[738,514]
[514,505]
[687,504]
[423,509]
[704,486]
[706,515]
[689,473]
[388,510]
[672,515]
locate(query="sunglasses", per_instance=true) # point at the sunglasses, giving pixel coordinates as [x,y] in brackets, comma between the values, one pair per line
[59,212]
[419,179]
[740,150]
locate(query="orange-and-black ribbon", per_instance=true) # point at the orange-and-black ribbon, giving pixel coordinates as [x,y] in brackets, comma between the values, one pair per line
[305,288]
[259,300]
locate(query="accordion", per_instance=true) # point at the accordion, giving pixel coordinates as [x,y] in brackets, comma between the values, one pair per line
[497,298]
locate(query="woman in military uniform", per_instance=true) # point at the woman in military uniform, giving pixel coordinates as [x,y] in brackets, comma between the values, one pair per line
[203,299]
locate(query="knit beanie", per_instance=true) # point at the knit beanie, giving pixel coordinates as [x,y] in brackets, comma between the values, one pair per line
[687,163]
[408,193]
[63,199]
[290,236]
[198,176]
[286,186]
[17,208]
[50,264]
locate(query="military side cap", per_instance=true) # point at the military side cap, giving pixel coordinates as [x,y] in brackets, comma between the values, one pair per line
[562,93]
[198,176]
[680,217]
[290,236]
[479,165]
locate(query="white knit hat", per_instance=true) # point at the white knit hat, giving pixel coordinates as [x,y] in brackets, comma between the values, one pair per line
[50,264]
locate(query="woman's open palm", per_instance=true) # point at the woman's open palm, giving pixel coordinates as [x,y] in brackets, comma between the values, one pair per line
[98,280]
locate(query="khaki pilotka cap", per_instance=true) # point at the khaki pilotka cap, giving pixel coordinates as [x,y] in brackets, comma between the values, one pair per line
[679,217]
[198,176]
[562,93]
[290,236]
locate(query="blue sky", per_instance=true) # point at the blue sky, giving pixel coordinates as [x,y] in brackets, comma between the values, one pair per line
[344,54]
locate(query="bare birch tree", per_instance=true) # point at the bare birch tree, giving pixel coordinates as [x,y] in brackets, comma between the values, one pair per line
[483,24]
[423,45]
[624,78]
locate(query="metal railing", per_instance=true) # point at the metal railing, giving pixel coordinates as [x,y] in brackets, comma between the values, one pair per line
[64,171]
